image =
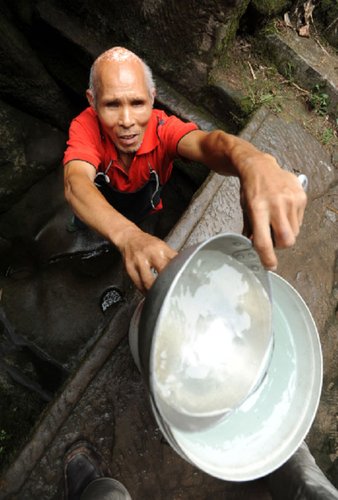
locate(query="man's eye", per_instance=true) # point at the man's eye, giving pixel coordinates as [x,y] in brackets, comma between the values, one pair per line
[112,104]
[138,103]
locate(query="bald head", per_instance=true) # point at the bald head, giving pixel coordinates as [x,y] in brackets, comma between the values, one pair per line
[118,56]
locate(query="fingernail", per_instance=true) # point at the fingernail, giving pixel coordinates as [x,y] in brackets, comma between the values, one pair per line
[271,268]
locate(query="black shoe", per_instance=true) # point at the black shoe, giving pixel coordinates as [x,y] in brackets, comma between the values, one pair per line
[82,464]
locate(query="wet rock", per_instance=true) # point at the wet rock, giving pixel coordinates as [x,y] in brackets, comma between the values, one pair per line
[74,47]
[29,150]
[85,30]
[24,81]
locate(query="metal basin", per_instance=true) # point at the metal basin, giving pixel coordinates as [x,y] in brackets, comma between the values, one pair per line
[202,338]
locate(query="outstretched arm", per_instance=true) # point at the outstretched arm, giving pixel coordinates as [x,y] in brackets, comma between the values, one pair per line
[272,198]
[141,252]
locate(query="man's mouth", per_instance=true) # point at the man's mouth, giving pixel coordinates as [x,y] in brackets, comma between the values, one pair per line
[128,138]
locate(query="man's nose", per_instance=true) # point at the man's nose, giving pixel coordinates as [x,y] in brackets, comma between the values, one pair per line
[126,117]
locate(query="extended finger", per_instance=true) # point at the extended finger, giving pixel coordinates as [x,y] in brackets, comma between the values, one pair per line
[263,242]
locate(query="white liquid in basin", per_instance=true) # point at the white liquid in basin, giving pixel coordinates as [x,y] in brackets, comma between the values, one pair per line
[213,337]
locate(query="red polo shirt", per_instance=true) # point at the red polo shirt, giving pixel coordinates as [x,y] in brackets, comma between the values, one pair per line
[89,143]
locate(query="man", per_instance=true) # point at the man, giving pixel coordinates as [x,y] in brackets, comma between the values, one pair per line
[120,152]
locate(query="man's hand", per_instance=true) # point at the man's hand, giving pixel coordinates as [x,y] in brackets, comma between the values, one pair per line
[273,202]
[144,256]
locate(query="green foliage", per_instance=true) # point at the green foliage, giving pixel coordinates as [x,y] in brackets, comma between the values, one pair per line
[270,28]
[289,72]
[265,90]
[257,97]
[328,135]
[319,100]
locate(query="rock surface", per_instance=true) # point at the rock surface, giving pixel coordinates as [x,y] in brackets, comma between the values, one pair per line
[307,63]
[30,149]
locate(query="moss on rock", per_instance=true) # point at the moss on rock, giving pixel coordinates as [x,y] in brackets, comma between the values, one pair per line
[270,7]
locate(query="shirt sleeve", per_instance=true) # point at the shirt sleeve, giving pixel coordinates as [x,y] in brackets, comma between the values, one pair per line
[172,131]
[84,141]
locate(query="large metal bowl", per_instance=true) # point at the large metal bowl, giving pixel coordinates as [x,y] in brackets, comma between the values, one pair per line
[202,338]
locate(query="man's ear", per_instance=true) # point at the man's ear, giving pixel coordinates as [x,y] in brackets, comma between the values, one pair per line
[90,98]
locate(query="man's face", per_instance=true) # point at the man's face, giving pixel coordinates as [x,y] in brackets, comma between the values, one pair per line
[123,103]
